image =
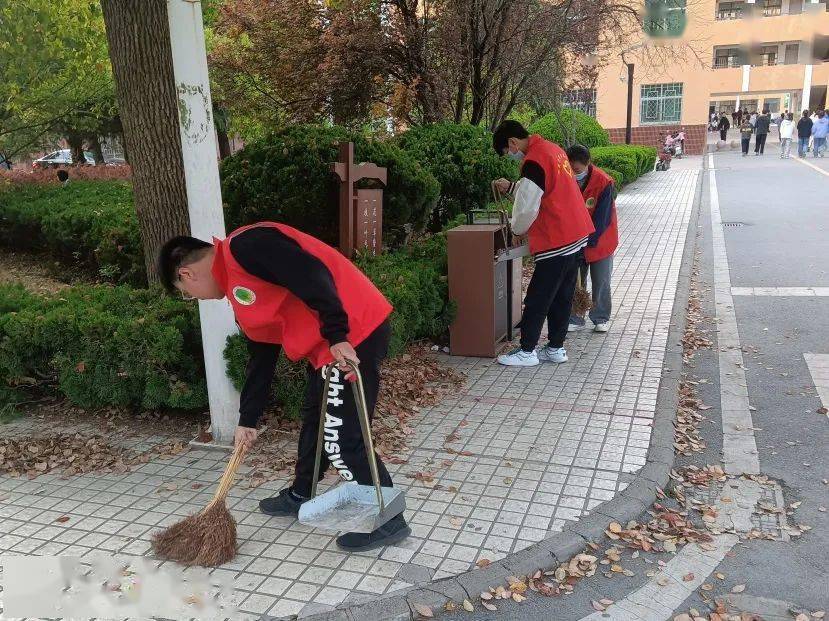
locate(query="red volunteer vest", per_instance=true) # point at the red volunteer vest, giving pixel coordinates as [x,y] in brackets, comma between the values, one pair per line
[597,181]
[269,313]
[562,218]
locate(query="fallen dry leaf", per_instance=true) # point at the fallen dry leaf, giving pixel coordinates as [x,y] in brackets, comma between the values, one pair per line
[489,606]
[597,606]
[819,614]
[614,527]
[802,617]
[688,577]
[739,588]
[449,606]
[62,519]
[518,597]
[467,605]
[423,611]
[483,562]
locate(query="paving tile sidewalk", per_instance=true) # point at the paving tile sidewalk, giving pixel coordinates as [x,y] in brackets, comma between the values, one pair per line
[503,464]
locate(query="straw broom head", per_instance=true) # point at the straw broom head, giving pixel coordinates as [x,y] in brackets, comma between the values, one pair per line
[207,538]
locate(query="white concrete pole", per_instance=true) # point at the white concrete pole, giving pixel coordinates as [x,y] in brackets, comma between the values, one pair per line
[807,87]
[204,199]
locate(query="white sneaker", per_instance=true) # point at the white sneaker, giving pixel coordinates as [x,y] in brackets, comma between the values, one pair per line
[575,327]
[551,354]
[601,327]
[519,358]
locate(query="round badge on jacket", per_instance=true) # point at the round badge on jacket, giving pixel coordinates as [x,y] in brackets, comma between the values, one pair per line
[590,202]
[244,296]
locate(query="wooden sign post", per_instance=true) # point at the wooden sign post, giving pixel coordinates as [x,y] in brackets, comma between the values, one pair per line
[361,210]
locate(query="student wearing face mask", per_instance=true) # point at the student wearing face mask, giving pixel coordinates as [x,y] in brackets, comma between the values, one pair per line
[597,188]
[548,207]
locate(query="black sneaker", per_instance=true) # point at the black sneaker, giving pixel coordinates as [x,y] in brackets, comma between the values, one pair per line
[285,503]
[389,533]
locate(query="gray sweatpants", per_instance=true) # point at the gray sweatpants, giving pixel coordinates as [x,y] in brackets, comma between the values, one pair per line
[600,272]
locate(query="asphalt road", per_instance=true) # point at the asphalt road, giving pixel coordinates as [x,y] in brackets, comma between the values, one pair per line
[783,206]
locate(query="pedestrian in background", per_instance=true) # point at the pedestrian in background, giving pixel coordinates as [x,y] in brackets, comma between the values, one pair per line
[753,119]
[549,208]
[761,130]
[786,134]
[804,133]
[739,117]
[597,189]
[723,126]
[820,129]
[746,129]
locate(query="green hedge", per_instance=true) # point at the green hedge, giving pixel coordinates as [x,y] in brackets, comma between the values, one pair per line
[102,346]
[463,161]
[118,346]
[632,161]
[578,128]
[88,222]
[286,177]
[618,178]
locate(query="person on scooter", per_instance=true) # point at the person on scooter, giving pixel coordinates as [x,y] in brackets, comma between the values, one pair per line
[291,291]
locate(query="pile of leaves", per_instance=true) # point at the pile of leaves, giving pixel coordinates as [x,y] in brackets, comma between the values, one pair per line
[692,340]
[687,439]
[73,453]
[664,532]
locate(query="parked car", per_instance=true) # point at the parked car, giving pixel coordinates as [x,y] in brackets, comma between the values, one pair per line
[60,158]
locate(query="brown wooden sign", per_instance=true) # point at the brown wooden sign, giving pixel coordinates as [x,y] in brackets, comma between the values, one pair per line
[361,210]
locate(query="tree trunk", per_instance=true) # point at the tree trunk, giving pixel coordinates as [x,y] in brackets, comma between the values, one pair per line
[224,143]
[139,48]
[76,148]
[95,147]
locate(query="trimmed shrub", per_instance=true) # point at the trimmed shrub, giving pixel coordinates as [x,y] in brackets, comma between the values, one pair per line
[618,178]
[88,222]
[102,346]
[286,177]
[617,158]
[568,127]
[463,161]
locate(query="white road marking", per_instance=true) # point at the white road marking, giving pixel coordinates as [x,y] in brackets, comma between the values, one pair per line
[658,598]
[803,161]
[819,368]
[739,447]
[783,292]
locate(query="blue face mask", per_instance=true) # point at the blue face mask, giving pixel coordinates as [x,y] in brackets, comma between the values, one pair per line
[582,175]
[517,156]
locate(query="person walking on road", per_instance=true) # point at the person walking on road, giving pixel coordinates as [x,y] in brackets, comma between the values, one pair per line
[746,130]
[293,292]
[820,130]
[597,189]
[786,135]
[549,208]
[761,130]
[804,133]
[723,126]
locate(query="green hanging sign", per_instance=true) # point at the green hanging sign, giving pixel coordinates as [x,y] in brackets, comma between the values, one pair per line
[665,19]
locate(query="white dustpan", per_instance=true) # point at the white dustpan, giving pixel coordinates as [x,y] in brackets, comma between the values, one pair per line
[351,507]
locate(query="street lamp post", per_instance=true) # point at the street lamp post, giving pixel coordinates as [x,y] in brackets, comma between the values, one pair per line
[204,200]
[628,124]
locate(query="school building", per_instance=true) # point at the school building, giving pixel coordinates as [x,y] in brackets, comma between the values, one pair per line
[731,54]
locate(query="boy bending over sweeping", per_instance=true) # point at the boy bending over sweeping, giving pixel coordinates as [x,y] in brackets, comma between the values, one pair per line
[291,290]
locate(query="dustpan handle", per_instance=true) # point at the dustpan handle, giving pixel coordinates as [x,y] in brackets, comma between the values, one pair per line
[365,425]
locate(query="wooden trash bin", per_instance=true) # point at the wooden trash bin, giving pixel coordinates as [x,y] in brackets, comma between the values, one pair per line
[485,284]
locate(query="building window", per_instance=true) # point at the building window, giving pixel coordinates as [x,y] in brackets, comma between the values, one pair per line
[792,53]
[772,7]
[767,55]
[729,10]
[664,18]
[660,103]
[727,57]
[582,99]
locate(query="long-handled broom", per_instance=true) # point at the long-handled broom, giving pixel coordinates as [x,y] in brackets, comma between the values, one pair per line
[582,300]
[207,538]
